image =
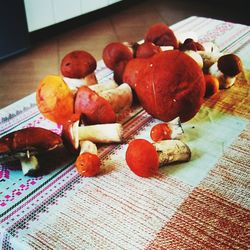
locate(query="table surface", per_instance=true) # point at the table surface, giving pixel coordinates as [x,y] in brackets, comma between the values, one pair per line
[201,204]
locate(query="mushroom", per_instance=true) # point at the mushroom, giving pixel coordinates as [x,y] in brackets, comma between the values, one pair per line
[78,68]
[116,56]
[88,163]
[226,70]
[102,107]
[26,144]
[167,131]
[73,134]
[147,49]
[55,100]
[145,158]
[169,84]
[160,34]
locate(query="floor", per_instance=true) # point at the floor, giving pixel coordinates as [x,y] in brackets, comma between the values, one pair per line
[20,75]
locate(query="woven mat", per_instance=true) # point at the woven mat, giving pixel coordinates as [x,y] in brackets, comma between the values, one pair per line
[202,204]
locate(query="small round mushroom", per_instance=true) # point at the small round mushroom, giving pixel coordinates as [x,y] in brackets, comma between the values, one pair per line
[212,85]
[144,158]
[26,144]
[88,164]
[161,35]
[78,68]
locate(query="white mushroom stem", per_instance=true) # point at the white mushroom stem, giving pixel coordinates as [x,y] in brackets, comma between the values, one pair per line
[196,56]
[107,85]
[101,133]
[30,165]
[224,80]
[170,151]
[165,48]
[88,146]
[75,83]
[119,98]
[176,128]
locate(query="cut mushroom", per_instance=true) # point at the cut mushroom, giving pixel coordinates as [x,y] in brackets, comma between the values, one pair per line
[144,158]
[26,144]
[100,87]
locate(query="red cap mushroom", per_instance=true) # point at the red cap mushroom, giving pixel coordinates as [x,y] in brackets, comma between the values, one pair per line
[102,107]
[168,85]
[115,56]
[161,35]
[78,68]
[78,64]
[147,49]
[144,158]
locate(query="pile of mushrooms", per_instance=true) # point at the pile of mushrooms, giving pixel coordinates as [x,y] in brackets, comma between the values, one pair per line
[169,74]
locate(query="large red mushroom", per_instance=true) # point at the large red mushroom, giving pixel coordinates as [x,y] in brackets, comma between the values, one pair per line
[168,85]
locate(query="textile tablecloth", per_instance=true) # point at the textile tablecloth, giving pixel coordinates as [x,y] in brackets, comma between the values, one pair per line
[201,204]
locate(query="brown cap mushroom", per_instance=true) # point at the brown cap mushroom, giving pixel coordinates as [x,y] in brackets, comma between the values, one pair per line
[26,144]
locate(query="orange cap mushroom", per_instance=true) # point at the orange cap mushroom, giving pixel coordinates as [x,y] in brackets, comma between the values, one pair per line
[55,100]
[142,158]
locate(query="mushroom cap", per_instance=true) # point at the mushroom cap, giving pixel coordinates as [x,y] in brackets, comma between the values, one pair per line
[168,85]
[147,49]
[55,100]
[33,140]
[78,64]
[116,52]
[94,108]
[161,35]
[230,65]
[142,158]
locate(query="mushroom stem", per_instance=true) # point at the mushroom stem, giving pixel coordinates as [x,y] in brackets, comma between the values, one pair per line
[101,133]
[100,87]
[170,151]
[176,128]
[30,165]
[75,83]
[88,146]
[119,98]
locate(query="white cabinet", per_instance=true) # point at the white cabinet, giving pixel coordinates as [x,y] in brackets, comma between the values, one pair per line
[43,13]
[88,6]
[65,9]
[39,13]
